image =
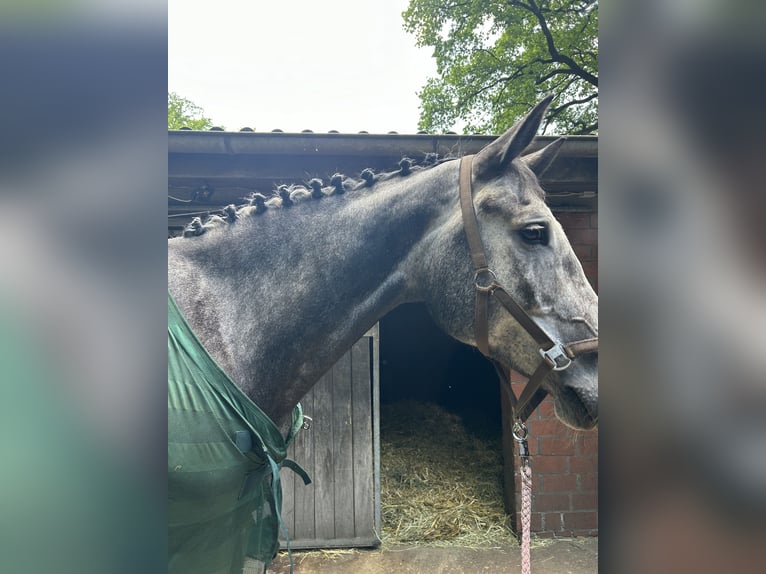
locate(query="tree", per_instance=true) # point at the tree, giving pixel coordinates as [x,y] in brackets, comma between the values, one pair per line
[185,113]
[496,59]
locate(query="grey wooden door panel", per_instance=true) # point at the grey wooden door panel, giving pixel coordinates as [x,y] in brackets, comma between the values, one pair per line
[341,507]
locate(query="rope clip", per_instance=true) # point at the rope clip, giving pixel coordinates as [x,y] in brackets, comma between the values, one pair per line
[520,433]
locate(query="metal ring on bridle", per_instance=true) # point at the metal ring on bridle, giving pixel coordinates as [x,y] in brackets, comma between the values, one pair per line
[520,431]
[484,274]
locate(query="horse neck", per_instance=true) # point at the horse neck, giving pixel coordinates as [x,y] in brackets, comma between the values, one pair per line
[277,298]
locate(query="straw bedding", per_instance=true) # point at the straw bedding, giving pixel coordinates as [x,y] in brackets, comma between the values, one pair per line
[441,478]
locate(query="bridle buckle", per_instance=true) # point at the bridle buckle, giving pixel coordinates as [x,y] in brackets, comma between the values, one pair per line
[557,357]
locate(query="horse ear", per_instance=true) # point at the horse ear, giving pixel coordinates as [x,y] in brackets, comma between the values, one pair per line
[542,159]
[495,158]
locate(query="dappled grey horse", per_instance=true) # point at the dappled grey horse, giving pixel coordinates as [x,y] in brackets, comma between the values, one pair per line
[279,289]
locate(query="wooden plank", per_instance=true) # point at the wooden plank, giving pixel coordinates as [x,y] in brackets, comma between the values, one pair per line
[364,499]
[303,496]
[343,455]
[324,462]
[509,444]
[375,358]
[287,477]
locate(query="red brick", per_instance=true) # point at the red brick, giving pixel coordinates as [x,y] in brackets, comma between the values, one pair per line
[557,446]
[548,427]
[587,444]
[591,269]
[594,220]
[588,482]
[550,464]
[581,520]
[583,252]
[587,501]
[535,522]
[552,521]
[574,220]
[552,502]
[585,236]
[546,410]
[583,464]
[559,483]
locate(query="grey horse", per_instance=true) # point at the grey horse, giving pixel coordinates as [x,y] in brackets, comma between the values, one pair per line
[278,290]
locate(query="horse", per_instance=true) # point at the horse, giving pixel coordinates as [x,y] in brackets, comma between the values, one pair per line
[277,290]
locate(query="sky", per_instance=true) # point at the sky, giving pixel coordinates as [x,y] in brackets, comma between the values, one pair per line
[345,65]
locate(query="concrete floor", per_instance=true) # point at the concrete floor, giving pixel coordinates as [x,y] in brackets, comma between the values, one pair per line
[559,556]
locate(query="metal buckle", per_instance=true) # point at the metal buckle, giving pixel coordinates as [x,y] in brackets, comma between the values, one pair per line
[485,273]
[557,357]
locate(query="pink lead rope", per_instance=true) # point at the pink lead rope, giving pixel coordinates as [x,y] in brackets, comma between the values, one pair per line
[520,435]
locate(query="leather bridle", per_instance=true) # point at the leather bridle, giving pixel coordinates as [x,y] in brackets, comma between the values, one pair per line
[556,356]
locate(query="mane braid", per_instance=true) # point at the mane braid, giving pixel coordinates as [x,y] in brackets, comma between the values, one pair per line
[259,201]
[316,188]
[230,213]
[368,176]
[337,183]
[284,193]
[194,228]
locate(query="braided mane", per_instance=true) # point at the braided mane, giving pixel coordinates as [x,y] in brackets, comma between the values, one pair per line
[287,196]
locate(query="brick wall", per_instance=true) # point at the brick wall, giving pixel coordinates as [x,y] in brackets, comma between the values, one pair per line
[582,231]
[564,474]
[564,462]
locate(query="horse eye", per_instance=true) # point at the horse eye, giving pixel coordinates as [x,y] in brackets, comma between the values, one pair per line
[535,233]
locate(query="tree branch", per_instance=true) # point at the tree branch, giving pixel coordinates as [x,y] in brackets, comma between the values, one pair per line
[552,50]
[556,72]
[557,110]
[503,80]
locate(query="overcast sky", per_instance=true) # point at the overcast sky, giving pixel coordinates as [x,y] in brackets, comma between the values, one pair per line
[345,65]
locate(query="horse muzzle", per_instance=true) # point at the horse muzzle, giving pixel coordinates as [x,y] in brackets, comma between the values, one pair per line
[575,393]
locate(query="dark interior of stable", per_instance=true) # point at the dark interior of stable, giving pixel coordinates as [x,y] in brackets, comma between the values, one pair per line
[419,362]
[440,435]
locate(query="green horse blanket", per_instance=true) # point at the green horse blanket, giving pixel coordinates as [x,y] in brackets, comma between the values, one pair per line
[224,456]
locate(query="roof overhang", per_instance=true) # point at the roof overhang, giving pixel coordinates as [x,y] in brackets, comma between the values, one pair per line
[208,170]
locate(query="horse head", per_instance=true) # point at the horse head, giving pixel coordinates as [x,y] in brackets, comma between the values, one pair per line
[528,254]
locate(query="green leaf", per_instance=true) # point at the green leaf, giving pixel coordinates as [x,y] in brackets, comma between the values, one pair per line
[185,113]
[496,59]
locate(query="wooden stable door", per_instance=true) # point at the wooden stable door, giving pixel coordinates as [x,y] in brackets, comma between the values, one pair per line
[341,453]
